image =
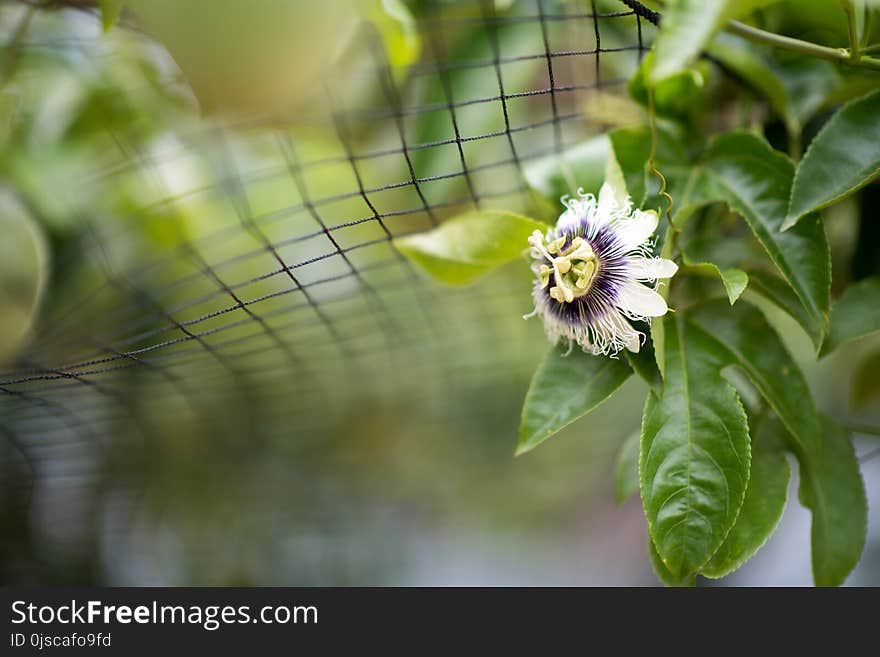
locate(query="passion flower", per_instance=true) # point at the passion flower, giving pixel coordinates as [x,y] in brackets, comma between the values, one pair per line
[592,270]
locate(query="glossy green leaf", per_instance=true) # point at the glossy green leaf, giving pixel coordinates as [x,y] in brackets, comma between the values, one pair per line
[764,503]
[842,158]
[464,248]
[688,25]
[776,290]
[754,180]
[855,315]
[631,148]
[734,280]
[658,338]
[626,470]
[644,363]
[662,572]
[832,488]
[694,462]
[816,443]
[658,333]
[765,361]
[582,165]
[565,388]
[674,97]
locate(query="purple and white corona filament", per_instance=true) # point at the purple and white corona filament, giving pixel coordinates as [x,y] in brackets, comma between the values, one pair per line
[592,269]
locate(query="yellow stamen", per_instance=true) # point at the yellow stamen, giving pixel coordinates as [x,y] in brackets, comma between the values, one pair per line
[574,268]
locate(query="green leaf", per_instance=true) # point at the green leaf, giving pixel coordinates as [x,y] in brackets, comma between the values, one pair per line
[658,339]
[694,462]
[765,361]
[855,314]
[564,389]
[110,11]
[644,363]
[776,290]
[764,502]
[688,25]
[674,97]
[827,465]
[464,248]
[842,158]
[734,280]
[662,572]
[626,470]
[754,180]
[631,148]
[582,165]
[832,488]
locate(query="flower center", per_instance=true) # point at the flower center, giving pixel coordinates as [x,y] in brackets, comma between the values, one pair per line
[574,268]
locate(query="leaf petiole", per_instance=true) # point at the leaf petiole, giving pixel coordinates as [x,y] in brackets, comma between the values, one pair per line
[840,55]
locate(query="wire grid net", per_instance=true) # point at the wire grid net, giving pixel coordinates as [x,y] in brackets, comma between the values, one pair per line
[268,279]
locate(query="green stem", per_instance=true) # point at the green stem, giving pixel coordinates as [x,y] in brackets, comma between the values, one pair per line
[872,48]
[865,429]
[854,53]
[866,29]
[840,55]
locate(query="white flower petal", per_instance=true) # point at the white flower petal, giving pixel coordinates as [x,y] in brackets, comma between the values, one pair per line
[650,269]
[568,219]
[609,201]
[640,301]
[634,342]
[618,333]
[634,232]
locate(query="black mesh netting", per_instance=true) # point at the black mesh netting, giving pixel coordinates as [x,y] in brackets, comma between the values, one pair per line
[236,281]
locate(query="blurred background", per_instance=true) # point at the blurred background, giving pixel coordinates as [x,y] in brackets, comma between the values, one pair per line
[215,368]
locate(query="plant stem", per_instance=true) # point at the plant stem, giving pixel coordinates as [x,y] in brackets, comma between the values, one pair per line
[854,53]
[861,428]
[840,55]
[866,29]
